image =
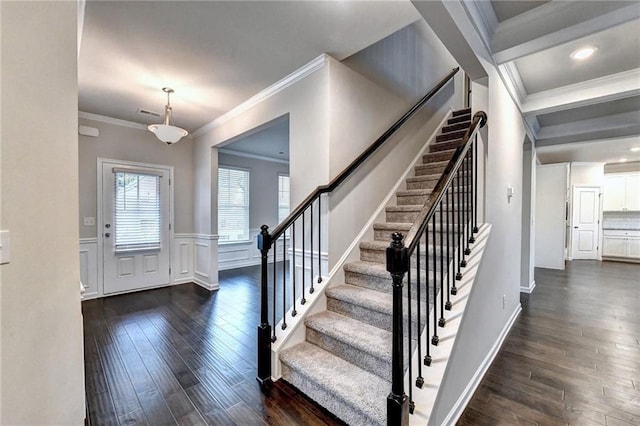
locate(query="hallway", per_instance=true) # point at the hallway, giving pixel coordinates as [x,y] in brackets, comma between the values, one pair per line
[573,355]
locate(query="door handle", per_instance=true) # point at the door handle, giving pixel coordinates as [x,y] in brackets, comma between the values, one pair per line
[107,235]
[575,227]
[107,225]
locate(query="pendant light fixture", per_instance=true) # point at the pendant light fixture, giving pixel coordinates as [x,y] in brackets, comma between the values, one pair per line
[166,132]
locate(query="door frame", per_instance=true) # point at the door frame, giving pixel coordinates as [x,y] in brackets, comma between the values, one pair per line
[99,218]
[571,225]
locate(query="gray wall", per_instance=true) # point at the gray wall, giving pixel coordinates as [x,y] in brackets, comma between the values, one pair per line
[139,145]
[41,323]
[409,62]
[263,187]
[528,211]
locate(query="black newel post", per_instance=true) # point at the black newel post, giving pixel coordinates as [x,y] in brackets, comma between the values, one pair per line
[397,265]
[264,329]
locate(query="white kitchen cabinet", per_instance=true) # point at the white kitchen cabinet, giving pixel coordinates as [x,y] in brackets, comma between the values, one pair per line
[621,192]
[634,247]
[621,244]
[632,192]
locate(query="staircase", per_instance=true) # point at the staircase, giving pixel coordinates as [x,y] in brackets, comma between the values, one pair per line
[345,362]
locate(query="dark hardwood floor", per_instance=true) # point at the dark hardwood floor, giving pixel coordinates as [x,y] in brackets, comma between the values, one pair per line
[573,356]
[183,355]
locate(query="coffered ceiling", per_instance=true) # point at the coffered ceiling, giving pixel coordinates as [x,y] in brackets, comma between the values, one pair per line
[570,106]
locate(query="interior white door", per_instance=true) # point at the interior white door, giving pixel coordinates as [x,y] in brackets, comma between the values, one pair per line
[135,227]
[586,223]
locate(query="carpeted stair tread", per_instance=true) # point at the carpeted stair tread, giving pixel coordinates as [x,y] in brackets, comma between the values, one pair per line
[382,246]
[372,300]
[357,334]
[408,208]
[358,398]
[410,192]
[392,226]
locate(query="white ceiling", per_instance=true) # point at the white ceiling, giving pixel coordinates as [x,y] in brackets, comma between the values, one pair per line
[270,141]
[214,54]
[575,110]
[618,50]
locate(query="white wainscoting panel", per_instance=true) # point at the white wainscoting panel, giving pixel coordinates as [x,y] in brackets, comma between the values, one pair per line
[194,258]
[239,255]
[89,267]
[205,265]
[182,259]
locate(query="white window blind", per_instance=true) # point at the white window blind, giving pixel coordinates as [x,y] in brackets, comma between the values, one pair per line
[283,197]
[233,204]
[137,211]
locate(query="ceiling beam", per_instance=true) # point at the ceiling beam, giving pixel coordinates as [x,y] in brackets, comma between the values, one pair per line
[598,135]
[556,23]
[581,127]
[604,89]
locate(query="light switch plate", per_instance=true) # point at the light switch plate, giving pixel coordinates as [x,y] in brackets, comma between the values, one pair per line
[89,221]
[5,247]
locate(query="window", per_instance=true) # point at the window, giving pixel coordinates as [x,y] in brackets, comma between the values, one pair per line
[233,204]
[137,211]
[283,197]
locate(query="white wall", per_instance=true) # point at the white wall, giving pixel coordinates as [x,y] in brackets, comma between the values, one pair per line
[527,281]
[485,320]
[42,357]
[551,223]
[360,111]
[139,145]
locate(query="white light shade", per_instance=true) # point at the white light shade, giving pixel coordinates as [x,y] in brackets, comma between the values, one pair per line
[167,133]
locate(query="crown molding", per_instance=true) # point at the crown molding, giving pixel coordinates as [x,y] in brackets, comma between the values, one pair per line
[111,120]
[512,75]
[581,127]
[299,74]
[254,156]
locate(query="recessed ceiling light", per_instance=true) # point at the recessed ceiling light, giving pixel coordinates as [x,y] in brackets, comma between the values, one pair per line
[635,149]
[583,53]
[622,160]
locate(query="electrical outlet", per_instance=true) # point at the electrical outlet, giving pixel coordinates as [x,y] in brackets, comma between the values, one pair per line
[89,221]
[504,301]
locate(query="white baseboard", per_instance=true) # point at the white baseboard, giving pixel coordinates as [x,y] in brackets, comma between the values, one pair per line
[463,400]
[205,285]
[529,289]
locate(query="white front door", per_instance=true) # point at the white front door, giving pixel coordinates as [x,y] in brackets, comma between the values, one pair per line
[135,226]
[586,223]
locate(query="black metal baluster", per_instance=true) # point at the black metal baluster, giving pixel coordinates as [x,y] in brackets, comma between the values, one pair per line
[461,213]
[264,329]
[319,240]
[446,198]
[454,289]
[311,289]
[398,266]
[475,184]
[412,404]
[435,339]
[441,321]
[463,206]
[304,255]
[427,357]
[275,286]
[284,280]
[419,379]
[468,224]
[294,256]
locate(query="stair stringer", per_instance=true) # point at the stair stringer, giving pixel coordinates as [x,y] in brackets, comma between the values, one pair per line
[425,398]
[317,302]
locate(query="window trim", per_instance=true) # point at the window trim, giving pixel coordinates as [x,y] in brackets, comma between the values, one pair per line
[248,171]
[281,174]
